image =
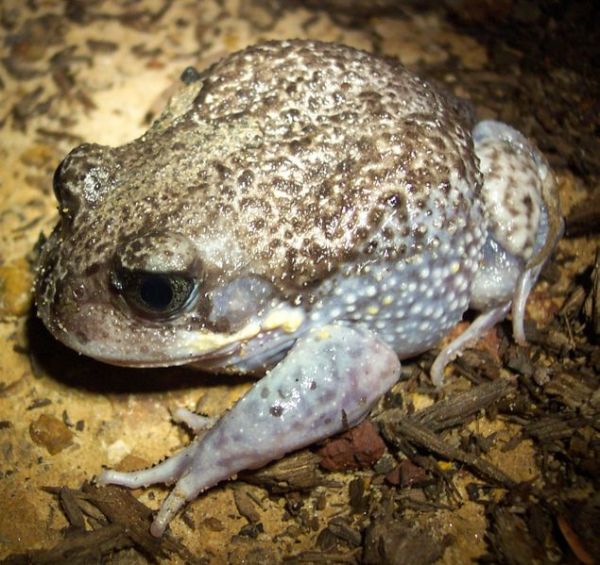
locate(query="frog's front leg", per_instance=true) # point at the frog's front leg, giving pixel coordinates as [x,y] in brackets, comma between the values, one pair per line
[328,382]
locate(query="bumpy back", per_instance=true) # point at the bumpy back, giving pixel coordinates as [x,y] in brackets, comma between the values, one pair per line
[290,158]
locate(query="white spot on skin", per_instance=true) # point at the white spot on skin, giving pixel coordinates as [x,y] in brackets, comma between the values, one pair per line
[349,298]
[416,308]
[438,274]
[371,291]
[336,313]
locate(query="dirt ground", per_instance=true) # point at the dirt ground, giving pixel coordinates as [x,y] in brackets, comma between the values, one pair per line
[502,466]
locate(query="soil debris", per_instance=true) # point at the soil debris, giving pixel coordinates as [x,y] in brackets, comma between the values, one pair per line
[103,521]
[394,542]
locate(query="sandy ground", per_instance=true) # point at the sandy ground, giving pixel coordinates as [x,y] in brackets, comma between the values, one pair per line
[96,73]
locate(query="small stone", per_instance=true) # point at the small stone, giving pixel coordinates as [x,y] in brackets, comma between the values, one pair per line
[51,433]
[15,288]
[357,448]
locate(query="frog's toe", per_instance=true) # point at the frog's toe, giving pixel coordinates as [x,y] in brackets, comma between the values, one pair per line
[166,472]
[475,331]
[530,274]
[195,422]
[170,469]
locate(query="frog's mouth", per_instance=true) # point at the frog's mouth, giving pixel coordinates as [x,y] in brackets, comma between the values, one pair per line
[203,349]
[98,331]
[213,359]
[152,347]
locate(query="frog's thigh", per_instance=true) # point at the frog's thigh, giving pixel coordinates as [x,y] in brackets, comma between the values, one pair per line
[514,172]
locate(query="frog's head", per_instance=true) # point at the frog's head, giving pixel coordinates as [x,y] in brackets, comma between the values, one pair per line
[117,283]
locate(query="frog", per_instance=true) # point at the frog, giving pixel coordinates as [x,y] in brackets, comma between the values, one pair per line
[304,212]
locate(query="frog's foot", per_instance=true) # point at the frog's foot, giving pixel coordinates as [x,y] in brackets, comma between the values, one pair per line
[530,274]
[169,470]
[328,382]
[166,472]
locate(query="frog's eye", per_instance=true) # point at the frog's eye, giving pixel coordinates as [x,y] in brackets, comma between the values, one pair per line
[158,296]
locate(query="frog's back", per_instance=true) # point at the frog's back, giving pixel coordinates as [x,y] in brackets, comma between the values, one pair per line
[364,183]
[360,160]
[306,156]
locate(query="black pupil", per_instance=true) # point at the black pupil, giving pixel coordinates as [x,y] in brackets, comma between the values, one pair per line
[156,292]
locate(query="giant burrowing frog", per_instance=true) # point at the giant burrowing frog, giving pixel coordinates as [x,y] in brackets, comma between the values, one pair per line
[304,211]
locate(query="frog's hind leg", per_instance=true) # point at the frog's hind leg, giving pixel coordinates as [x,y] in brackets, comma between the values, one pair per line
[521,200]
[328,382]
[521,203]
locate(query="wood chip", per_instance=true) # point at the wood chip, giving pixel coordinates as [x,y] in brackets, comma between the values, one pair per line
[419,435]
[392,541]
[118,521]
[245,505]
[299,471]
[457,410]
[591,306]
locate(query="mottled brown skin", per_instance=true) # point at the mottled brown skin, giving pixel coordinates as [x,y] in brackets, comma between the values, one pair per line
[330,140]
[286,161]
